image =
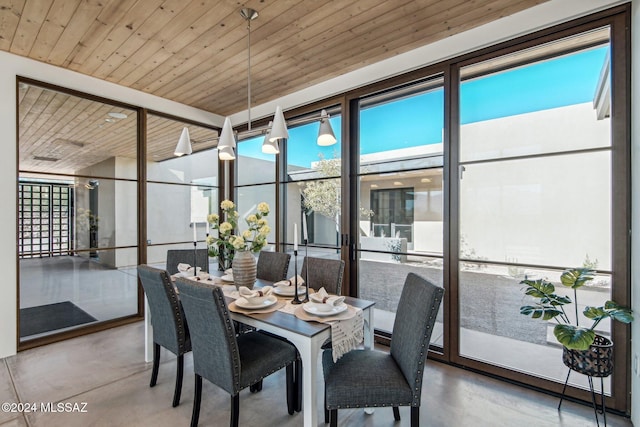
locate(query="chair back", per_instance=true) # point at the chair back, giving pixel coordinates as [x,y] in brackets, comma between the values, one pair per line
[324,272]
[177,256]
[273,266]
[167,318]
[417,310]
[213,336]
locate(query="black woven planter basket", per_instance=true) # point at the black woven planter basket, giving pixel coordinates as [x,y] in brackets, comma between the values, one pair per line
[597,361]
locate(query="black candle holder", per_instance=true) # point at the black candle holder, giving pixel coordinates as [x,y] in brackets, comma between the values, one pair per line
[295,300]
[306,272]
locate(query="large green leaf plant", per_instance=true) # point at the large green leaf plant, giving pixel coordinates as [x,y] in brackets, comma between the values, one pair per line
[548,305]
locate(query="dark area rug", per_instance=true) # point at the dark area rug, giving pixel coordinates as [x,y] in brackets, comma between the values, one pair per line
[50,317]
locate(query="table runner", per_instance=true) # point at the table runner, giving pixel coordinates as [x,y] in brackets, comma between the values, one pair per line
[346,334]
[347,329]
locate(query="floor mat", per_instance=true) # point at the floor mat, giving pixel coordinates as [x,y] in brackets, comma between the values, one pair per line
[51,317]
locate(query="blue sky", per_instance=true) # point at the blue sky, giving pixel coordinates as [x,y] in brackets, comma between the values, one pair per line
[418,120]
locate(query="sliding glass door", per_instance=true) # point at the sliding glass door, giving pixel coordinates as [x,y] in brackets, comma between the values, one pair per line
[400,195]
[77,234]
[535,195]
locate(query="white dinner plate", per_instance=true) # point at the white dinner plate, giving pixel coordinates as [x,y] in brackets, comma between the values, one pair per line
[227,278]
[243,303]
[312,308]
[287,291]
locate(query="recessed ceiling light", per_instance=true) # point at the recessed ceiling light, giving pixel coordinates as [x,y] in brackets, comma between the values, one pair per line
[109,120]
[397,183]
[374,185]
[45,159]
[116,115]
[425,180]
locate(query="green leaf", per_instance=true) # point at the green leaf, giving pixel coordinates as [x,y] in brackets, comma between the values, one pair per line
[545,292]
[610,309]
[539,311]
[618,312]
[573,337]
[576,277]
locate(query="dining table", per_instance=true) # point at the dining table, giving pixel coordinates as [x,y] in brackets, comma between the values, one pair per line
[306,336]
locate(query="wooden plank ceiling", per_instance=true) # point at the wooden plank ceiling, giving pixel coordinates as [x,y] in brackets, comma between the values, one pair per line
[195,52]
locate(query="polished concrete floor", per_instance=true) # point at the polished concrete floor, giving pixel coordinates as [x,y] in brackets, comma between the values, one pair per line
[107,371]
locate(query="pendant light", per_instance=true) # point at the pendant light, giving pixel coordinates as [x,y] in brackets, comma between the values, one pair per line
[268,146]
[326,136]
[184,144]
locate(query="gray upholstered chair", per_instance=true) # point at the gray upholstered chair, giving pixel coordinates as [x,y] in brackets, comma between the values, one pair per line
[232,362]
[177,256]
[170,329]
[273,266]
[370,378]
[324,272]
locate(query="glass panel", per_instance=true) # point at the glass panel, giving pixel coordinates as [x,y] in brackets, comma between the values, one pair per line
[401,196]
[501,113]
[162,165]
[174,208]
[538,218]
[157,254]
[62,133]
[321,200]
[67,280]
[315,252]
[254,166]
[105,213]
[381,280]
[490,298]
[544,209]
[248,200]
[67,292]
[186,190]
[402,133]
[306,159]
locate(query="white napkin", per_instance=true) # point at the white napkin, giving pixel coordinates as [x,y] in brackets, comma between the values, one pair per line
[243,291]
[290,282]
[323,297]
[228,271]
[182,267]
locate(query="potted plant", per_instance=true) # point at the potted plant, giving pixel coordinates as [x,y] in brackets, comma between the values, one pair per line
[549,305]
[584,350]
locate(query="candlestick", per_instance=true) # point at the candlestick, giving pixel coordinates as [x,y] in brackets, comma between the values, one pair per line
[207,227]
[296,300]
[295,236]
[306,272]
[304,227]
[195,237]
